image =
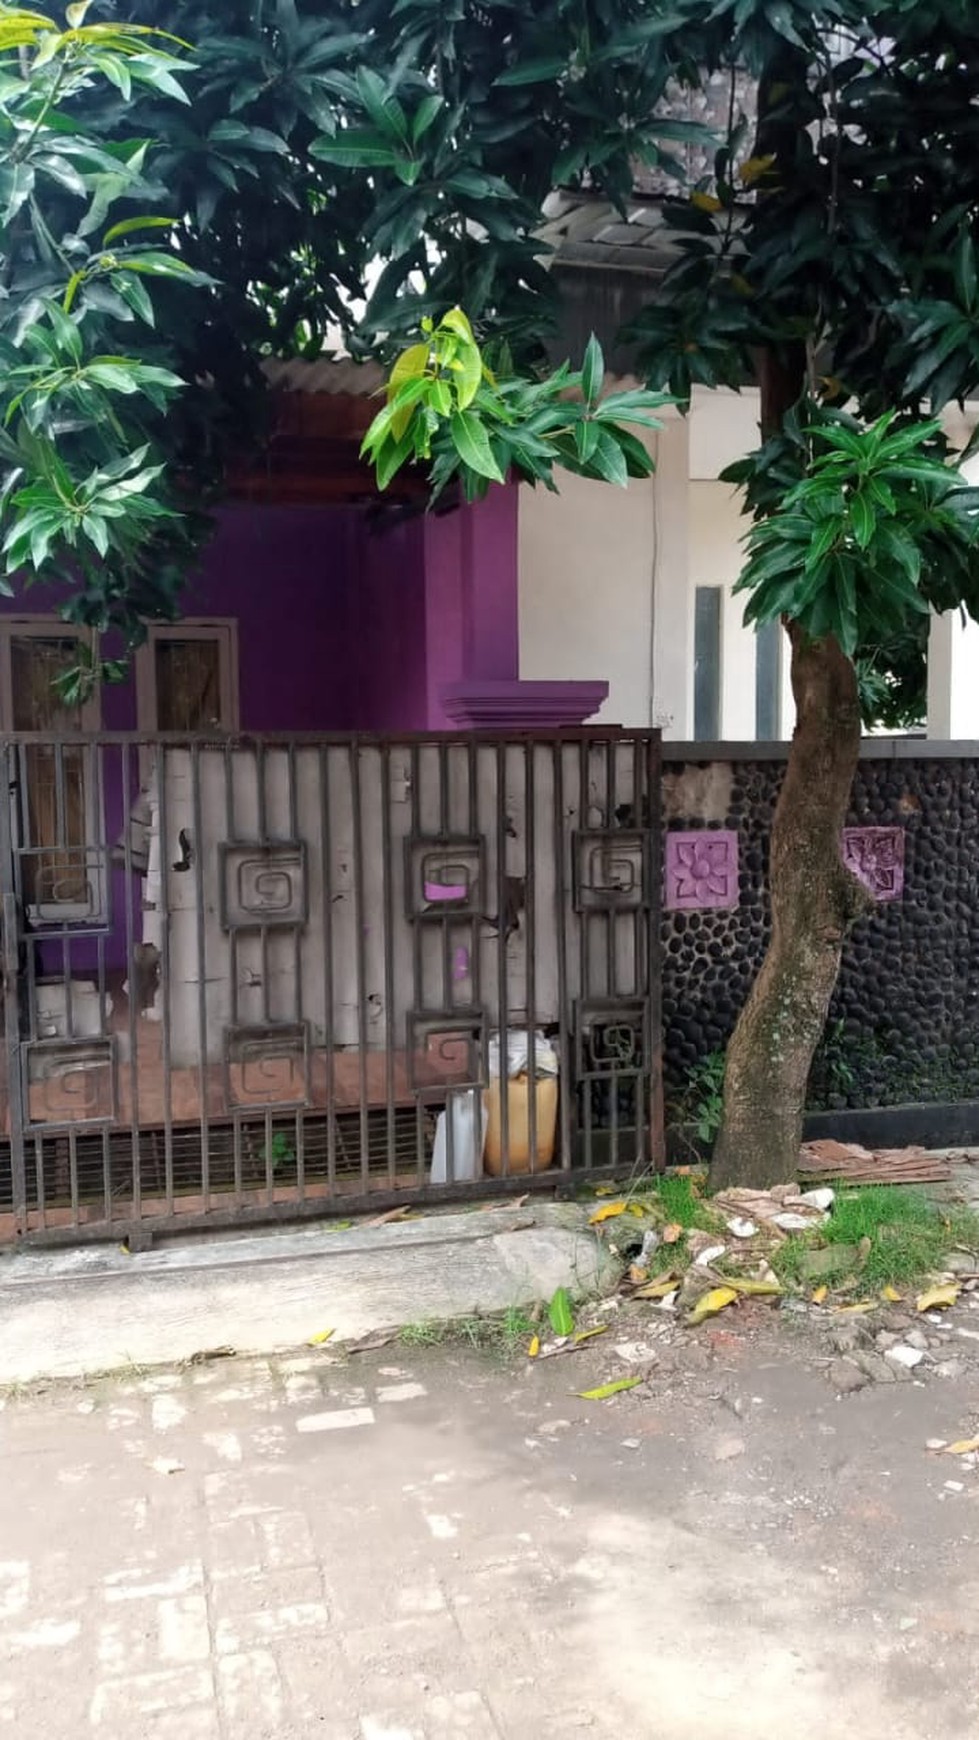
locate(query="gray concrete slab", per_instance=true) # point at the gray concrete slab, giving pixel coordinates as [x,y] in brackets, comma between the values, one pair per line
[97,1308]
[434,1545]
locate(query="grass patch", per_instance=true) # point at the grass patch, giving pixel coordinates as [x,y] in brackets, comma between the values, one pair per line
[423,1334]
[503,1331]
[904,1234]
[910,1235]
[682,1203]
[788,1258]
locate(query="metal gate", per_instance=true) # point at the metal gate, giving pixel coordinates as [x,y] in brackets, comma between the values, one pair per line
[260,978]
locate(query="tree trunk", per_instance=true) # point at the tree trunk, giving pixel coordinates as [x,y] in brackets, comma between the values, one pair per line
[814,897]
[814,900]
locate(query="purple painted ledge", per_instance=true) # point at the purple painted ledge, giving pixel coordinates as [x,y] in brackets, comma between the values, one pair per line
[492,704]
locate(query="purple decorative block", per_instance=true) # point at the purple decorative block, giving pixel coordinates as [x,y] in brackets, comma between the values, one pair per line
[701,870]
[876,857]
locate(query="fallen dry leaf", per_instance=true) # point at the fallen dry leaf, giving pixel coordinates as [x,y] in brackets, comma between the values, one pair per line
[933,1297]
[892,1295]
[858,1308]
[962,1447]
[672,1234]
[369,1343]
[611,1389]
[322,1335]
[755,1289]
[638,1275]
[608,1211]
[658,1288]
[534,1348]
[590,1334]
[819,1294]
[393,1214]
[716,1300]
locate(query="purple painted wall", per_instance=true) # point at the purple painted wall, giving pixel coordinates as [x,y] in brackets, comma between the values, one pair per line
[347,621]
[387,653]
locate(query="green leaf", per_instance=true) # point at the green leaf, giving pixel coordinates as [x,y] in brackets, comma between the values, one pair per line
[392,457]
[136,294]
[608,459]
[355,148]
[560,1313]
[411,363]
[467,370]
[128,225]
[456,321]
[614,1388]
[862,519]
[471,442]
[534,72]
[425,114]
[592,371]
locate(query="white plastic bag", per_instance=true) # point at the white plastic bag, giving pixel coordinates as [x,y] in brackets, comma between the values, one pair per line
[518,1047]
[468,1133]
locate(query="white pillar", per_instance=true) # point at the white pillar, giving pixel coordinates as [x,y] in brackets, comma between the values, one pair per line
[953,664]
[786,715]
[953,677]
[672,637]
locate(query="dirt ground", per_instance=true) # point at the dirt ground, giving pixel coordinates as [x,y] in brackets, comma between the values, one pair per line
[416,1542]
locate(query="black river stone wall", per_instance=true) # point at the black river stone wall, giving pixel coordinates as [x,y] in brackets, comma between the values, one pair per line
[904,1023]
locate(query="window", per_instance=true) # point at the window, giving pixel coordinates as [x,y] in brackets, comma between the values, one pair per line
[768,680]
[707,664]
[55,804]
[187,678]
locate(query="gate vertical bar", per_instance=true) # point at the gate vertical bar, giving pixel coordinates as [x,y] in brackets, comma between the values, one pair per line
[561,945]
[502,937]
[197,865]
[326,851]
[612,986]
[165,934]
[11,995]
[387,922]
[360,959]
[654,905]
[131,979]
[583,920]
[299,1001]
[530,940]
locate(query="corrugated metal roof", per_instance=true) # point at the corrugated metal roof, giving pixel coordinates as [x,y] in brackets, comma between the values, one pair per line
[324,374]
[579,229]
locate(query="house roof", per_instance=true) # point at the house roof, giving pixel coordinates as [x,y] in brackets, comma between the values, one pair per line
[583,229]
[335,375]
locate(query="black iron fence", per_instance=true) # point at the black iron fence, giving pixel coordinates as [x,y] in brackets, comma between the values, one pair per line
[255,978]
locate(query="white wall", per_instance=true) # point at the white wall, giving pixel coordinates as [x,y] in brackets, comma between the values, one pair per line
[586,589]
[607,576]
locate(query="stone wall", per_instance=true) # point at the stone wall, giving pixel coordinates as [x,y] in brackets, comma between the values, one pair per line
[904,1024]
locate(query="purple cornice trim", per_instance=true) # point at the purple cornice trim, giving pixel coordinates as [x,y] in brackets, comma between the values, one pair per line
[487,703]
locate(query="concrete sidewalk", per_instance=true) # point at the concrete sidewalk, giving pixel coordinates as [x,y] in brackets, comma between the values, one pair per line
[426,1544]
[95,1308]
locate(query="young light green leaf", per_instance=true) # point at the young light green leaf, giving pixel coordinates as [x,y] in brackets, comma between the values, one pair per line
[614,1388]
[560,1313]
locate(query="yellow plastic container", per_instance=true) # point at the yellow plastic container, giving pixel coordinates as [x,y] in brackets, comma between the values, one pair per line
[520,1156]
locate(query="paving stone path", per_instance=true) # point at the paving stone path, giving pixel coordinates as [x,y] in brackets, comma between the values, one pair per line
[417,1544]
